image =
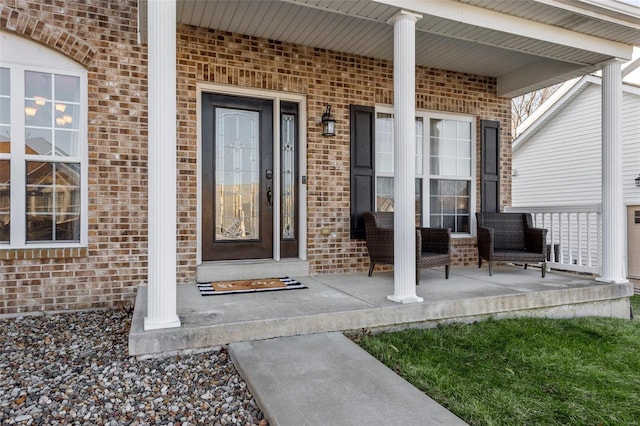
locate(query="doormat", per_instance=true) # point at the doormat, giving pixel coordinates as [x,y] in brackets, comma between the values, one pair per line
[249,286]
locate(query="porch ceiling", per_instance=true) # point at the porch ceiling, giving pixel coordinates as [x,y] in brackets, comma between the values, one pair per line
[525,45]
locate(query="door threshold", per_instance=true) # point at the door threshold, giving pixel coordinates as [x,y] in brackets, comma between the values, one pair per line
[246,269]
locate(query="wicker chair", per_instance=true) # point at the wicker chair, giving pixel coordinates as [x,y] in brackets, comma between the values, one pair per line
[432,244]
[510,237]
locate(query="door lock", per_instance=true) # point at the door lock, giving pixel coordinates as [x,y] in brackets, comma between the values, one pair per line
[269,196]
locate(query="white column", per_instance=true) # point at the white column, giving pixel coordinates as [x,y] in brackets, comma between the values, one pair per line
[161,298]
[614,224]
[404,99]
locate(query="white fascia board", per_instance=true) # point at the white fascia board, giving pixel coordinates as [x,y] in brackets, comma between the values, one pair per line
[504,23]
[615,11]
[630,67]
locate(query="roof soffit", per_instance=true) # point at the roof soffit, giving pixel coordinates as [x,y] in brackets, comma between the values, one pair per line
[454,35]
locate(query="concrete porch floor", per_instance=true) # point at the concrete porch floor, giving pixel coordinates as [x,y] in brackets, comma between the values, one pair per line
[355,301]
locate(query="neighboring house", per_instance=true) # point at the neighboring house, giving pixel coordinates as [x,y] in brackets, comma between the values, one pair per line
[557,163]
[103,189]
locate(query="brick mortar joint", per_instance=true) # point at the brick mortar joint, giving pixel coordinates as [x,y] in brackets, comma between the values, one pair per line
[43,253]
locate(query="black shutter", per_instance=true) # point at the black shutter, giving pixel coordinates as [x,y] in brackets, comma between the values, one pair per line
[490,173]
[362,123]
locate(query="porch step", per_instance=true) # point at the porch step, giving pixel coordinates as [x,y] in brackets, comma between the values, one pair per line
[250,269]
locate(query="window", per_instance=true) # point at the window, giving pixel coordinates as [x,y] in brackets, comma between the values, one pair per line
[444,169]
[450,146]
[384,164]
[43,154]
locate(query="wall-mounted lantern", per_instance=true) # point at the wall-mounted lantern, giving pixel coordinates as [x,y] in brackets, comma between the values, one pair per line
[638,181]
[328,123]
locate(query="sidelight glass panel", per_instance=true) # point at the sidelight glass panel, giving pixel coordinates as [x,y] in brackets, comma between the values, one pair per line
[288,176]
[237,165]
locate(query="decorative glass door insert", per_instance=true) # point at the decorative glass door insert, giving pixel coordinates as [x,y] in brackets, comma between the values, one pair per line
[289,174]
[237,169]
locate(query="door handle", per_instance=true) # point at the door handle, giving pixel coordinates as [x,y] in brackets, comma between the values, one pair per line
[269,196]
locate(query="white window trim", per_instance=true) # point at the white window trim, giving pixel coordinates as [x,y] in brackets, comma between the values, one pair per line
[17,60]
[426,175]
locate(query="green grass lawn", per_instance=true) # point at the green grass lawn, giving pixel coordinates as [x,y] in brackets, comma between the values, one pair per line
[524,371]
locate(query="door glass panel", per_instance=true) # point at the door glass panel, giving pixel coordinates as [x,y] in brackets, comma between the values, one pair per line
[237,165]
[288,176]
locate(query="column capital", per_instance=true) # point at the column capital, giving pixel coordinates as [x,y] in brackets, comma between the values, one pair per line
[403,15]
[612,62]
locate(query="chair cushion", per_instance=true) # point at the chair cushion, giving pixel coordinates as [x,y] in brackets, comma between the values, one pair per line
[517,255]
[429,260]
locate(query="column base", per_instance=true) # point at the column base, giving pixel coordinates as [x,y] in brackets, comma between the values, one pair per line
[150,324]
[612,280]
[405,299]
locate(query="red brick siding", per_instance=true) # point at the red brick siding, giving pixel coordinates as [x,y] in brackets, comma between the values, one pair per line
[102,36]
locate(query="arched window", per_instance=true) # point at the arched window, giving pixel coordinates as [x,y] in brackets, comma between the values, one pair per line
[43,147]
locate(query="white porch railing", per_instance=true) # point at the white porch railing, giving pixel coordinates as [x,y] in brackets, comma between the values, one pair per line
[574,237]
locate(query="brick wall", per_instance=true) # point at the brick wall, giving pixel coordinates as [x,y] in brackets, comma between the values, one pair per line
[325,77]
[102,36]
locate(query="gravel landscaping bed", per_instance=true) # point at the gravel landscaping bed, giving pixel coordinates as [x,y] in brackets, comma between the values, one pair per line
[74,369]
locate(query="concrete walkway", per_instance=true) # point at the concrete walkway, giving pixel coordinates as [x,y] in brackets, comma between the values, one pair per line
[326,379]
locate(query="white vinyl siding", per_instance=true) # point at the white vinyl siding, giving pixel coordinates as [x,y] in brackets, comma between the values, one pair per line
[561,164]
[631,146]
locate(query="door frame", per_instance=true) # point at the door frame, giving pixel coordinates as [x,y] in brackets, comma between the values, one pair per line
[276,97]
